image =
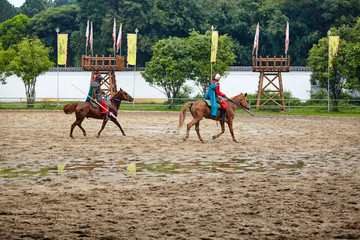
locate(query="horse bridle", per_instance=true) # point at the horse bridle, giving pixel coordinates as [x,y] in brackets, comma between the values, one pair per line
[244,108]
[239,105]
[122,92]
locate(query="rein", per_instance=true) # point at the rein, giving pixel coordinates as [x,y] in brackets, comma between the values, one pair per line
[244,108]
[116,99]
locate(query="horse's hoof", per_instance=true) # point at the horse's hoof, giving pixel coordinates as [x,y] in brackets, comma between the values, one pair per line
[236,141]
[124,134]
[214,137]
[184,139]
[97,136]
[202,141]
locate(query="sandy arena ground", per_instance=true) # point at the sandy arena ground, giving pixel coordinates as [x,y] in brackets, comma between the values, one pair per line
[291,177]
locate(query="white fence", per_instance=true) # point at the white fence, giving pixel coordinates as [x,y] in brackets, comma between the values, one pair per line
[54,85]
[179,102]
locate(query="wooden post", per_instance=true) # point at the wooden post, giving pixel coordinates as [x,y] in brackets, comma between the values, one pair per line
[266,71]
[105,66]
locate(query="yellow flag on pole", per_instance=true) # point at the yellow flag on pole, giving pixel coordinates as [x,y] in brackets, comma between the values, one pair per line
[131,49]
[333,48]
[214,43]
[62,48]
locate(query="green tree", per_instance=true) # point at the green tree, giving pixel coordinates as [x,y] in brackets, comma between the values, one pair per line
[29,59]
[7,11]
[44,24]
[14,30]
[352,36]
[200,47]
[238,19]
[32,7]
[4,61]
[310,21]
[345,64]
[59,3]
[155,20]
[169,67]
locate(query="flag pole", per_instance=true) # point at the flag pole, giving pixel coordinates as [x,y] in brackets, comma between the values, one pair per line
[57,64]
[91,40]
[211,64]
[328,83]
[136,31]
[114,37]
[87,36]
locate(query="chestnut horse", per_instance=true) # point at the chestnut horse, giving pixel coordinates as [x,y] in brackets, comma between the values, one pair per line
[85,109]
[199,109]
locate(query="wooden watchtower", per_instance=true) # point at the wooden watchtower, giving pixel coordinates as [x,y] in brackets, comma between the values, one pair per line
[270,69]
[107,67]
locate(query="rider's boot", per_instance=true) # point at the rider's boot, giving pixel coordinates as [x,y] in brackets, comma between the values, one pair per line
[223,115]
[106,117]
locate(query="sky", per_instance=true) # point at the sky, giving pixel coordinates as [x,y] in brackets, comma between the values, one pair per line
[16,3]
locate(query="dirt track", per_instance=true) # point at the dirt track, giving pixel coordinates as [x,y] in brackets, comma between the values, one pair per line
[291,177]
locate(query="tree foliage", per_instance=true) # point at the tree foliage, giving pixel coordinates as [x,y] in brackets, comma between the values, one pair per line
[32,7]
[7,11]
[59,3]
[170,66]
[200,47]
[14,30]
[43,25]
[28,60]
[176,60]
[346,64]
[160,19]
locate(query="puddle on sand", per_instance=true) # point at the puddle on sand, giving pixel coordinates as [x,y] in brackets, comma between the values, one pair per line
[98,168]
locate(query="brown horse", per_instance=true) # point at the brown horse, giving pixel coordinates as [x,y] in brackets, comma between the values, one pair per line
[85,109]
[199,109]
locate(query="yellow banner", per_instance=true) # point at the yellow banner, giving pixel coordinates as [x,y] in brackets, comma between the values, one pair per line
[131,49]
[62,48]
[214,43]
[333,48]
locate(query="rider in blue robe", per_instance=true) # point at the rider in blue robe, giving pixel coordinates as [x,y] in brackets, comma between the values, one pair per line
[211,95]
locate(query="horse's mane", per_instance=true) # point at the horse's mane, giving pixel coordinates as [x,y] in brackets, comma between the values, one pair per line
[236,96]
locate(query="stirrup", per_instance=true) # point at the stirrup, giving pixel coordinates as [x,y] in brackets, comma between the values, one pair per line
[106,117]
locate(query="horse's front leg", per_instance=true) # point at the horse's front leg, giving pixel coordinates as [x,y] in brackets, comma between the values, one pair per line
[114,120]
[102,127]
[222,124]
[230,124]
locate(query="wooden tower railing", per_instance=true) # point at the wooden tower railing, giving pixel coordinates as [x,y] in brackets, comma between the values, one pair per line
[103,63]
[107,67]
[271,69]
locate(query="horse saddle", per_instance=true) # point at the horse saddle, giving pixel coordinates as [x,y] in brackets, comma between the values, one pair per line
[97,106]
[208,102]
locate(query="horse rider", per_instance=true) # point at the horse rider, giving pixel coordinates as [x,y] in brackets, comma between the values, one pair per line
[214,94]
[96,95]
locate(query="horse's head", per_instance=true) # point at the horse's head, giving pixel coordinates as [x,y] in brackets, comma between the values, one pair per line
[244,101]
[122,95]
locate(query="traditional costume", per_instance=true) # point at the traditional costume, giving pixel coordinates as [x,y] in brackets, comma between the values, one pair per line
[96,94]
[213,94]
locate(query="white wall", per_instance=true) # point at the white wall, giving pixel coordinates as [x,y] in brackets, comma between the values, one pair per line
[60,84]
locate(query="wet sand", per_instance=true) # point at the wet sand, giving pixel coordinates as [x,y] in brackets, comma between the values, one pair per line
[300,178]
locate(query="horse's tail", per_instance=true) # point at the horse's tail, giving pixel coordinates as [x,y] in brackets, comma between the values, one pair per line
[70,108]
[183,114]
